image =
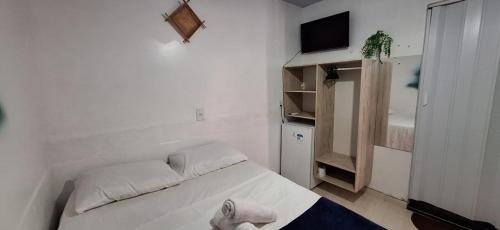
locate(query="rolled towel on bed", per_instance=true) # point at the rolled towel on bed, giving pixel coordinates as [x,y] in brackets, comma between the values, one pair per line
[239,211]
[245,226]
[223,223]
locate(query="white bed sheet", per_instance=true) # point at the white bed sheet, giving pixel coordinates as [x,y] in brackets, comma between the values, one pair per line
[192,204]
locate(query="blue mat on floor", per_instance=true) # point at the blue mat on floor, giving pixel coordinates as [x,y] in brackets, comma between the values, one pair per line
[325,214]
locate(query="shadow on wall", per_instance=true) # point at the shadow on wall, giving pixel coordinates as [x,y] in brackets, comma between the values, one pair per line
[2,115]
[61,200]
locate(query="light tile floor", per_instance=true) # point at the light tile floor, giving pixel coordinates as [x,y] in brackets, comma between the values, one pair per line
[384,210]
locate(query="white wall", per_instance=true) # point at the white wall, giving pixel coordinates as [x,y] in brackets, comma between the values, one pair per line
[121,86]
[391,172]
[404,20]
[23,167]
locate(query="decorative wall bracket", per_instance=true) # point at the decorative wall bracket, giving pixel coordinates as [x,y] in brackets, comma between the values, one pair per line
[184,20]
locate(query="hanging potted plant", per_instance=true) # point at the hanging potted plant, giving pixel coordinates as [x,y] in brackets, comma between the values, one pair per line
[377,44]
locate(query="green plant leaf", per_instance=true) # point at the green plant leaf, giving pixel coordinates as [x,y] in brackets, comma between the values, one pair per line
[377,44]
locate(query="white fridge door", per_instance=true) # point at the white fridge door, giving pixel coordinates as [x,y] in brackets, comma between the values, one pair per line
[296,153]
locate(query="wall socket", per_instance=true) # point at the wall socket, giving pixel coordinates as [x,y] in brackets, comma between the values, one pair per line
[200,114]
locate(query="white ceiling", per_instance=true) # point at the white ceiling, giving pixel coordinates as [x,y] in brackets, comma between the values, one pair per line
[302,3]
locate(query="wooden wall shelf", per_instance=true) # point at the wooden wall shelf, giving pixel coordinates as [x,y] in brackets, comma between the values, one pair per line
[352,68]
[301,91]
[304,115]
[338,160]
[328,106]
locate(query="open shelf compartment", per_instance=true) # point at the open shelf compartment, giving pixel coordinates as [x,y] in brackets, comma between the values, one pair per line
[338,177]
[355,65]
[300,105]
[301,78]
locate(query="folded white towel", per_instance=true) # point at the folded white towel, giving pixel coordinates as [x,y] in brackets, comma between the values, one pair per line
[239,211]
[223,223]
[245,226]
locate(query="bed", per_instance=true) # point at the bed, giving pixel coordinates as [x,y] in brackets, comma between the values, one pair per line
[400,132]
[193,203]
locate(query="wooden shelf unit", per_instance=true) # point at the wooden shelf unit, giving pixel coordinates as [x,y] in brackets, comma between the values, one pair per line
[343,114]
[300,92]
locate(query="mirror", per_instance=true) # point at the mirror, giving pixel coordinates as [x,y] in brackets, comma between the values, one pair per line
[397,104]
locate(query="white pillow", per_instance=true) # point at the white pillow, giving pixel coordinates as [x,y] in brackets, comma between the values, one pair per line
[197,161]
[105,185]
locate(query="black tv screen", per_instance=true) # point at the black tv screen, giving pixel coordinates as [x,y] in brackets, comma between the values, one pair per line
[325,34]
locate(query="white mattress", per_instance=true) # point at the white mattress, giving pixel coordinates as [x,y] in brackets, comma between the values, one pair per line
[192,204]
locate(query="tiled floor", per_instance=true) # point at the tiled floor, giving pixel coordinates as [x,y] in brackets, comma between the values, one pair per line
[384,210]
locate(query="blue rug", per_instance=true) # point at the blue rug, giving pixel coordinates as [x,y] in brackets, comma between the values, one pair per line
[325,214]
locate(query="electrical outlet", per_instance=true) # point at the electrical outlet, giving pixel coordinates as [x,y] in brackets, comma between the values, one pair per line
[200,114]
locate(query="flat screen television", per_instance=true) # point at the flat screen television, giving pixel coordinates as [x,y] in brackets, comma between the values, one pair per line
[326,33]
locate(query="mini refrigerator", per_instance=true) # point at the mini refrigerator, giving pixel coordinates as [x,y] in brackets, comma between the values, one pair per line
[297,154]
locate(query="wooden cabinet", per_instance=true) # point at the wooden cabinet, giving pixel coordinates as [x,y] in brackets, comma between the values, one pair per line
[343,113]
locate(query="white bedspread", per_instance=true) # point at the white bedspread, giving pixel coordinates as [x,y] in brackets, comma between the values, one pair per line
[192,204]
